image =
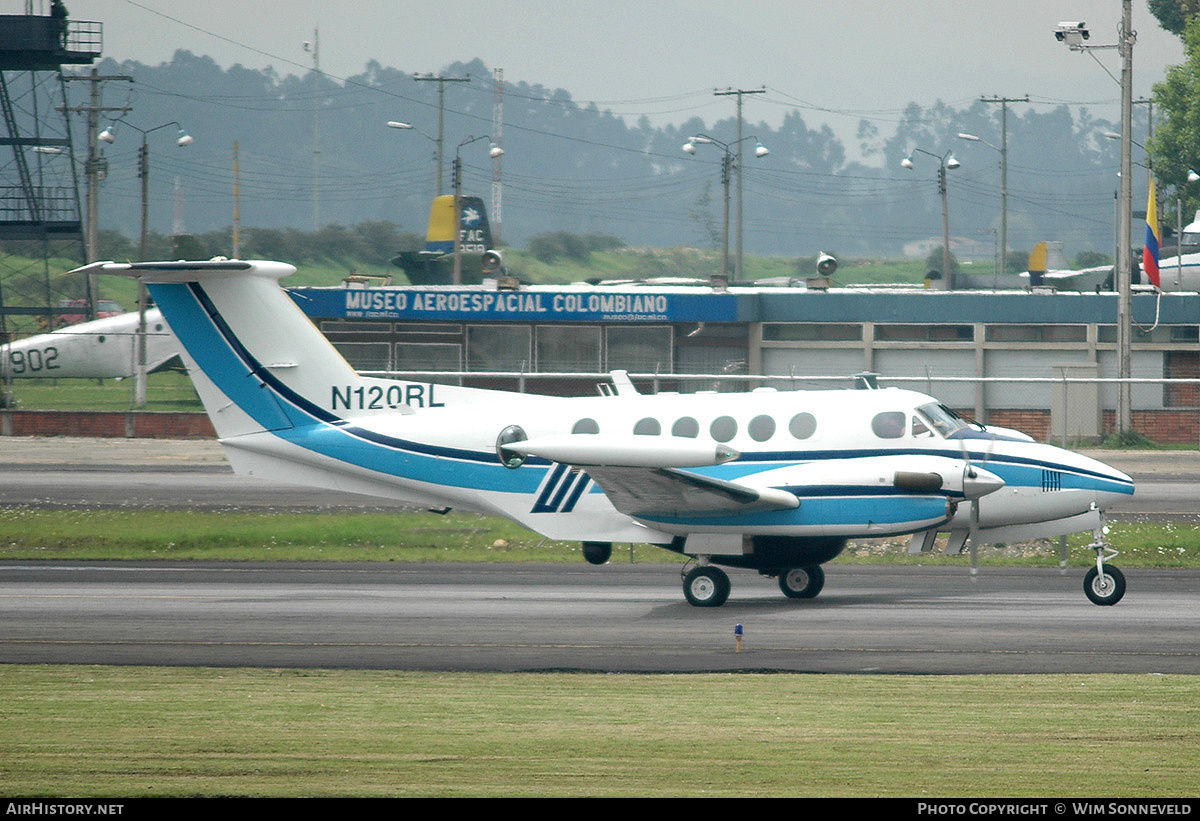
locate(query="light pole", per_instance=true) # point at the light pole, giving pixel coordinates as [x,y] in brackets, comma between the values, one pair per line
[1075,36]
[182,140]
[494,151]
[944,161]
[727,165]
[437,188]
[1003,196]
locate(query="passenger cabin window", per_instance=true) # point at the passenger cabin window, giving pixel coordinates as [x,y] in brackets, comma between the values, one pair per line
[647,427]
[686,427]
[761,428]
[803,425]
[889,424]
[723,428]
[586,426]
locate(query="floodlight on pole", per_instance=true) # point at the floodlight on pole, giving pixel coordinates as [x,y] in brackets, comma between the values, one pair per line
[945,161]
[727,165]
[403,126]
[494,151]
[182,139]
[1075,36]
[1003,195]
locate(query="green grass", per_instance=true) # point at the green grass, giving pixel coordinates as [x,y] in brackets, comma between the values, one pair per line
[237,536]
[406,536]
[129,732]
[166,391]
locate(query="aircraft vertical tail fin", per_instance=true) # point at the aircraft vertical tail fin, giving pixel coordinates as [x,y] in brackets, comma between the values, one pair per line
[433,264]
[258,362]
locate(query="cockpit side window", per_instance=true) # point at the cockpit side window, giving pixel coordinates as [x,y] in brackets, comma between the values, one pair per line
[945,421]
[889,424]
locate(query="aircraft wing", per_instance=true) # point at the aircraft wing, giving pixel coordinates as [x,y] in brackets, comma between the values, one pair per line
[673,492]
[642,477]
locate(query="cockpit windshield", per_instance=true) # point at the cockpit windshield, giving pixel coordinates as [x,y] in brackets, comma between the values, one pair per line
[942,419]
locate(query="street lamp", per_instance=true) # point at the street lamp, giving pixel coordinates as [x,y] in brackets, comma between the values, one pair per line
[1075,36]
[437,142]
[494,151]
[1003,196]
[944,161]
[727,165]
[183,140]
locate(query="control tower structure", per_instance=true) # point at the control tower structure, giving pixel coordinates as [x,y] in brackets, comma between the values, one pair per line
[41,230]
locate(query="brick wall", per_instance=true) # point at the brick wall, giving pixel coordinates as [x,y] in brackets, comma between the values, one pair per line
[131,424]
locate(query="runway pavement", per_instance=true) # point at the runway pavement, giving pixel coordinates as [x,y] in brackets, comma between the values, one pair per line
[616,618]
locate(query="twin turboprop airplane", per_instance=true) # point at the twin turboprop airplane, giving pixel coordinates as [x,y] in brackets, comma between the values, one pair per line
[774,481]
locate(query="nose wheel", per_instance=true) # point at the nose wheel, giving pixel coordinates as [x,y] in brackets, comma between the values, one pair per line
[1104,584]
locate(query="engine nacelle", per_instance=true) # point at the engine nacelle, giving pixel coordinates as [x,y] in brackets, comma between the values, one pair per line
[826,264]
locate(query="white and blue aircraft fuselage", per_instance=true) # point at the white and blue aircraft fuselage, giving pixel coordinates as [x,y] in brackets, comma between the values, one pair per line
[775,481]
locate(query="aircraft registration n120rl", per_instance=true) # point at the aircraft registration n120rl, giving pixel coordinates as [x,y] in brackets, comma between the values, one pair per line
[774,481]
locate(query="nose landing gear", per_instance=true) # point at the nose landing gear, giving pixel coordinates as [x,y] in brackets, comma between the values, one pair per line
[1104,584]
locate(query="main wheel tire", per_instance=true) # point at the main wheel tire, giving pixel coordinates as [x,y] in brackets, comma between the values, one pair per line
[706,587]
[1105,588]
[802,582]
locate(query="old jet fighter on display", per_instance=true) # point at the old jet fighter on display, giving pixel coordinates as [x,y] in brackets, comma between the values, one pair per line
[773,481]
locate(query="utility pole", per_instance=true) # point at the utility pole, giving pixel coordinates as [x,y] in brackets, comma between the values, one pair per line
[95,167]
[1124,269]
[441,80]
[1004,101]
[739,93]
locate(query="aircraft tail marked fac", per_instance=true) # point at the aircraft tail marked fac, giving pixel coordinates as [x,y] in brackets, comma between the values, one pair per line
[775,481]
[432,265]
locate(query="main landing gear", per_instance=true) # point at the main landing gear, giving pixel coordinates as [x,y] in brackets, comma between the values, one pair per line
[1104,584]
[705,585]
[802,582]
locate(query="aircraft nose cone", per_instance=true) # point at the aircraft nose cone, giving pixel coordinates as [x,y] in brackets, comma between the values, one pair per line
[978,482]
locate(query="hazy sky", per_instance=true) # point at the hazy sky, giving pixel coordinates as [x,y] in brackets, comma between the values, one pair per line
[837,62]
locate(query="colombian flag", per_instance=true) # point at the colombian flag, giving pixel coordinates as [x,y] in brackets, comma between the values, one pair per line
[1150,251]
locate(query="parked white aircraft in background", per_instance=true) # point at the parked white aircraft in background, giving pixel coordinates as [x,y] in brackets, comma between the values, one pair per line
[100,349]
[770,480]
